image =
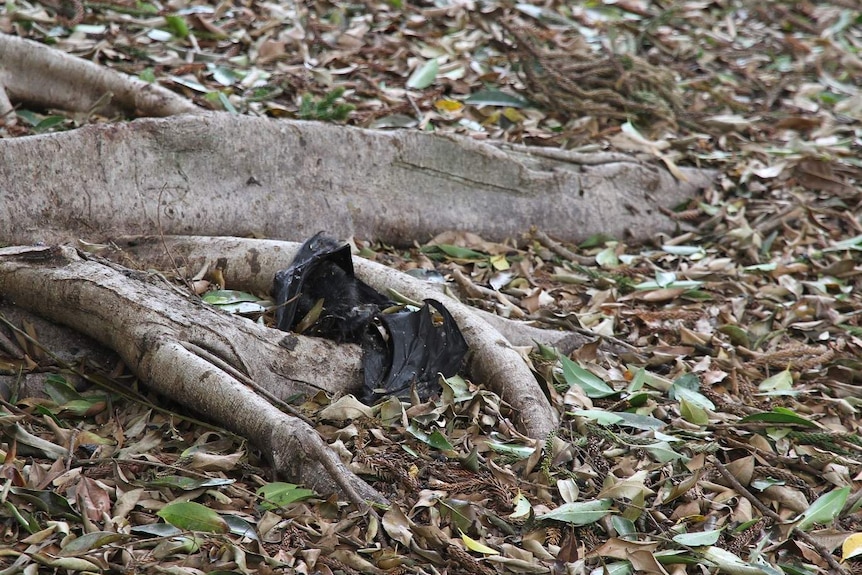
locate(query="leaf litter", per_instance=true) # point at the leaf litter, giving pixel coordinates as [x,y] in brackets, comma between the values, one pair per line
[724,432]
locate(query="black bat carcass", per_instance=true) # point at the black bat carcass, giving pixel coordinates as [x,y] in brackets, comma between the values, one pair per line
[402,349]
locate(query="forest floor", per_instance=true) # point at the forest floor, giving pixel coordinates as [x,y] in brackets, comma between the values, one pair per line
[729,440]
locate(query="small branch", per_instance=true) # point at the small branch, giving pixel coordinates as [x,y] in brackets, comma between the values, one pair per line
[239,376]
[481,292]
[561,250]
[767,512]
[775,221]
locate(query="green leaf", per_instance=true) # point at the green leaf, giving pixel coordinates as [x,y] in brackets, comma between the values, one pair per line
[579,513]
[26,519]
[638,421]
[48,123]
[435,439]
[686,387]
[737,335]
[663,453]
[147,7]
[156,530]
[29,116]
[192,516]
[84,406]
[522,507]
[455,389]
[241,527]
[499,262]
[825,509]
[599,416]
[182,545]
[234,301]
[91,28]
[223,75]
[698,539]
[457,511]
[664,279]
[187,483]
[624,527]
[455,252]
[278,494]
[854,243]
[178,26]
[90,541]
[519,451]
[779,415]
[226,103]
[781,381]
[595,241]
[493,97]
[226,296]
[616,568]
[394,121]
[546,351]
[424,76]
[60,390]
[48,502]
[438,441]
[693,413]
[607,258]
[765,483]
[592,385]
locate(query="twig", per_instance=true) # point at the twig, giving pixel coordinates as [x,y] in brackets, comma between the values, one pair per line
[10,347]
[767,512]
[775,221]
[168,253]
[477,291]
[561,250]
[241,377]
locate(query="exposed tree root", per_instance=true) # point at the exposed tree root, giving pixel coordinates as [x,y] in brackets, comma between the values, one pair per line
[39,75]
[157,333]
[228,175]
[251,264]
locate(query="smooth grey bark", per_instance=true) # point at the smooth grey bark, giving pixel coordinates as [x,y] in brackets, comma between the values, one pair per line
[224,175]
[38,75]
[209,361]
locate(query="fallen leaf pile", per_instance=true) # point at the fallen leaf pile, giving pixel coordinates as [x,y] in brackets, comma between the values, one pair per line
[712,425]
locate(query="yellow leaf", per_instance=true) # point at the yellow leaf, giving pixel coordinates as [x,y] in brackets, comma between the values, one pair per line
[499,262]
[474,545]
[852,547]
[448,105]
[513,115]
[493,118]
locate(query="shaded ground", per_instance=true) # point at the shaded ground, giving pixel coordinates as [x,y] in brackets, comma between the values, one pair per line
[738,410]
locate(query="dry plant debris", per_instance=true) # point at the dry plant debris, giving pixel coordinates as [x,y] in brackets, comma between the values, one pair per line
[730,442]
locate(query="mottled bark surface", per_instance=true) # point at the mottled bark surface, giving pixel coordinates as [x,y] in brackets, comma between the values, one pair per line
[217,365]
[238,176]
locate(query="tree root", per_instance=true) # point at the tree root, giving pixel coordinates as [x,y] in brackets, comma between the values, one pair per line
[151,327]
[225,175]
[42,76]
[251,264]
